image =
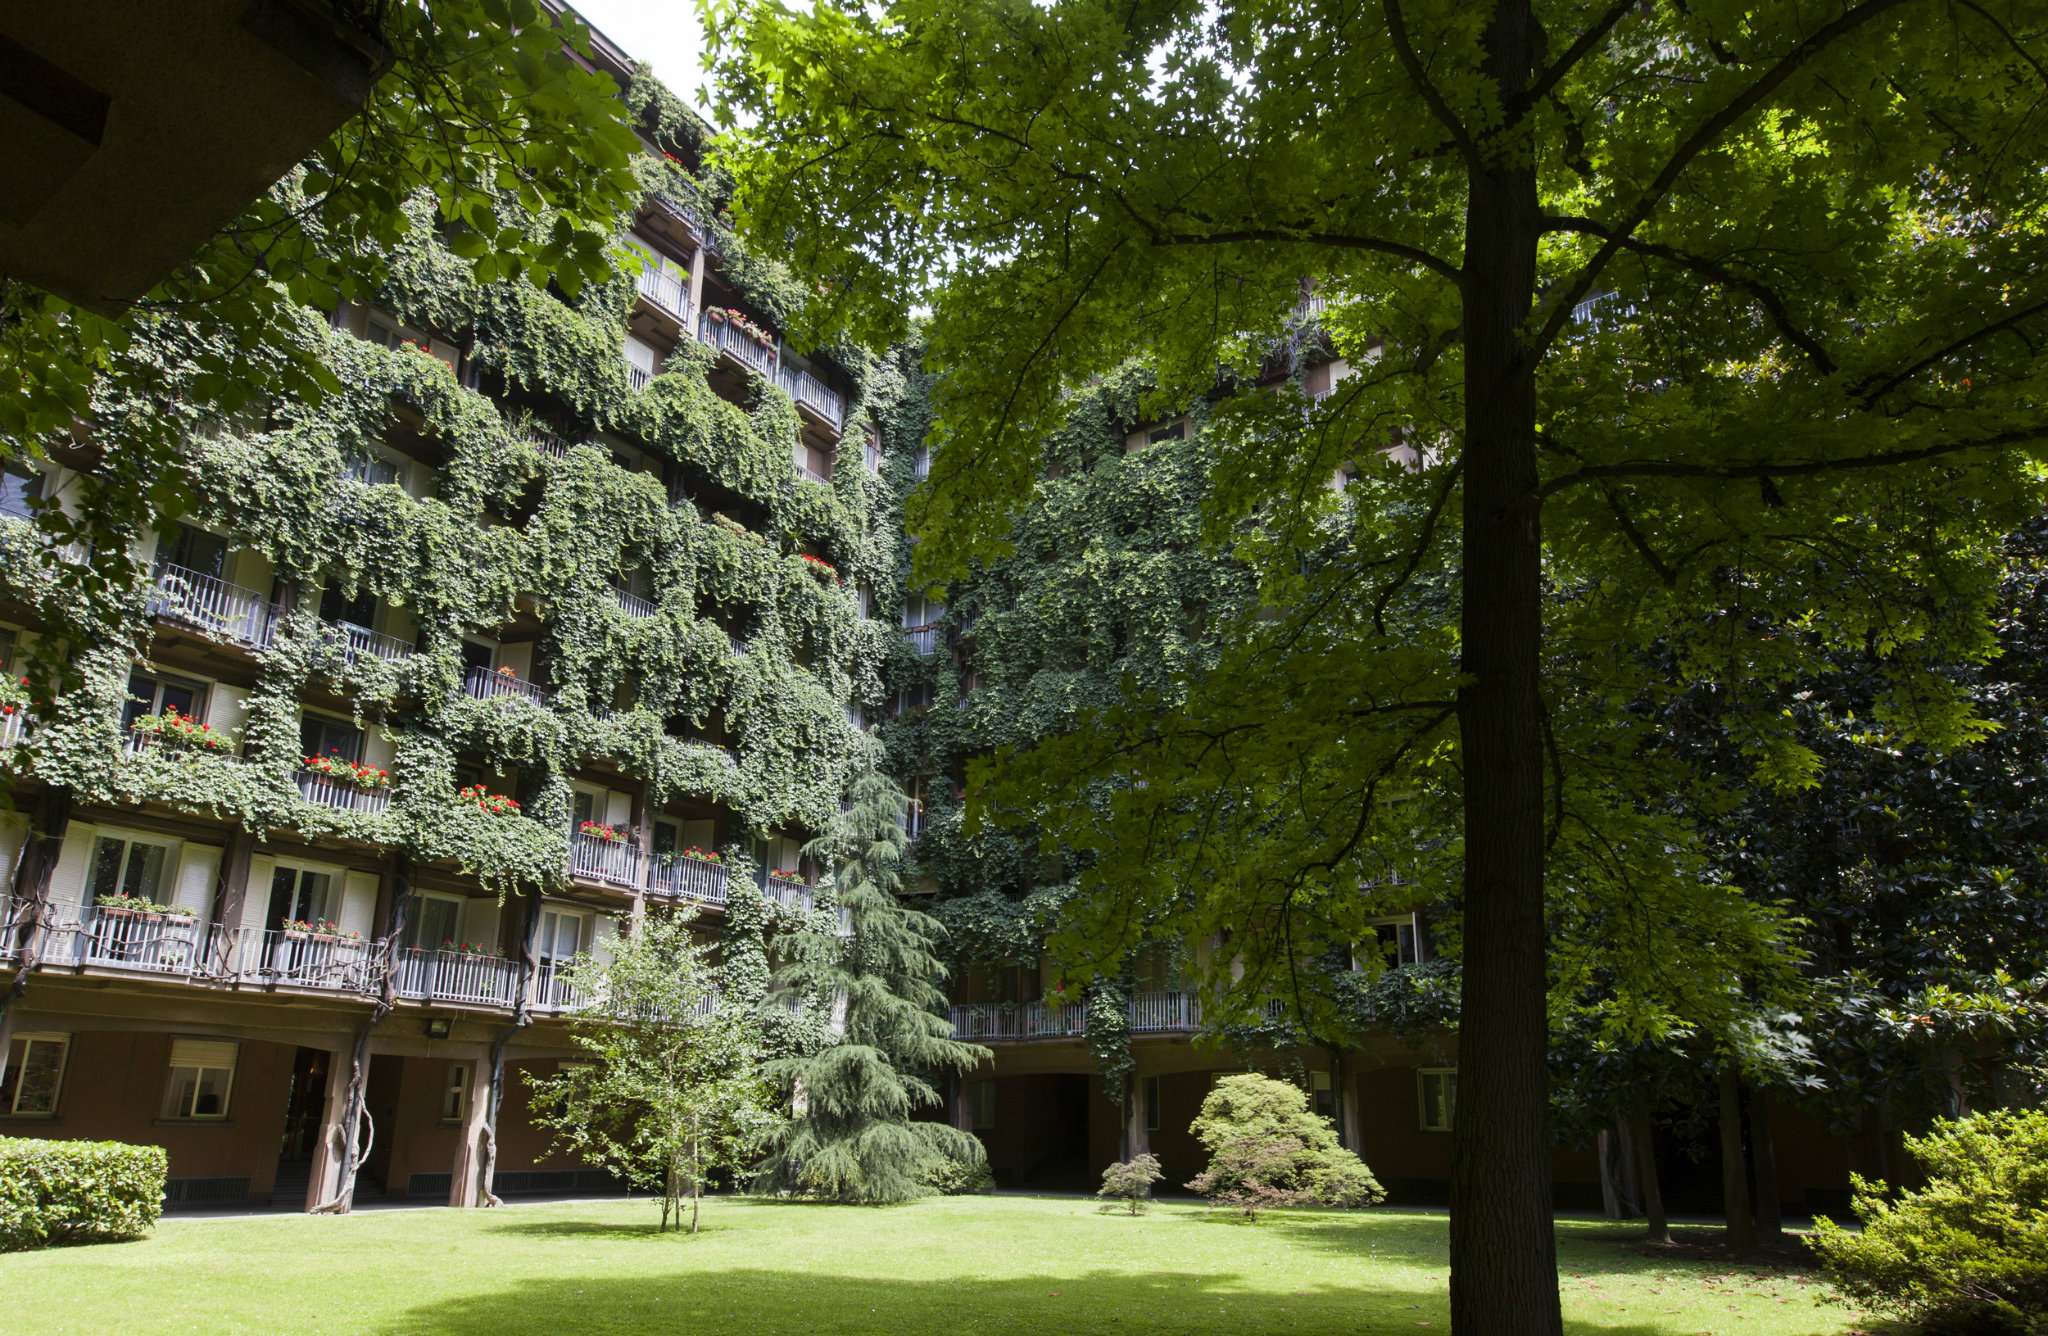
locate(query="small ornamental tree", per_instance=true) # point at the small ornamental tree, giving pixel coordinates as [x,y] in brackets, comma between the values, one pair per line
[853,1138]
[1967,1252]
[1268,1149]
[1130,1181]
[672,1090]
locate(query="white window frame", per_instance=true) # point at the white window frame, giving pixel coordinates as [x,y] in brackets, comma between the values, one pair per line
[336,886]
[1412,922]
[1447,1078]
[28,1039]
[414,920]
[586,930]
[227,1094]
[167,877]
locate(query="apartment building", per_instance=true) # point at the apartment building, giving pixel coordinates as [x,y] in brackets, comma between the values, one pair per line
[536,627]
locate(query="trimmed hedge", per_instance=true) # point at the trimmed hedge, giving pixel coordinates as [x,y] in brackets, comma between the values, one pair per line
[54,1192]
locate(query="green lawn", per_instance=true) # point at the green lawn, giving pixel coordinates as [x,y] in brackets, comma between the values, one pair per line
[952,1265]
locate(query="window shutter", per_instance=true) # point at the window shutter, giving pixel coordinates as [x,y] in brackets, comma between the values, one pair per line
[203,1053]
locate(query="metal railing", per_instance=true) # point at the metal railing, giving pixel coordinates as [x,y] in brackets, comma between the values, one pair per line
[741,346]
[638,376]
[552,990]
[211,605]
[486,685]
[14,727]
[687,879]
[667,289]
[634,606]
[1603,309]
[809,474]
[341,794]
[614,862]
[359,641]
[843,921]
[454,976]
[923,639]
[1030,1020]
[547,441]
[125,939]
[789,894]
[809,392]
[307,960]
[1153,1012]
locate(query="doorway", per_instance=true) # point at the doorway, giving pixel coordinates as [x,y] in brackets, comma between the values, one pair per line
[305,1108]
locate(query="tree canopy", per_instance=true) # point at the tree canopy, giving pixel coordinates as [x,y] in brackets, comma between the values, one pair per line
[1707,337]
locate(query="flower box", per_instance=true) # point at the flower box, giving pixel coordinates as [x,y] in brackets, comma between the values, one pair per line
[696,855]
[171,726]
[497,804]
[598,830]
[337,767]
[787,876]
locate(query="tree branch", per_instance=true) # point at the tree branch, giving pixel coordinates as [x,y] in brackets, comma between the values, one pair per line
[1564,64]
[1671,468]
[1397,30]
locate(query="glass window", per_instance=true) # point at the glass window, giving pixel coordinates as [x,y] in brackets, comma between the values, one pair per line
[154,693]
[561,933]
[1439,1097]
[1176,430]
[321,736]
[17,490]
[1322,1095]
[35,1072]
[335,606]
[300,894]
[584,808]
[477,657]
[434,922]
[202,1074]
[195,550]
[1397,941]
[121,866]
[455,1094]
[1151,1103]
[666,838]
[366,466]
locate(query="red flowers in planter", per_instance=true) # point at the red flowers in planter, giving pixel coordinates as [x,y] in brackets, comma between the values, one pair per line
[700,855]
[598,830]
[820,567]
[497,804]
[336,766]
[174,727]
[789,876]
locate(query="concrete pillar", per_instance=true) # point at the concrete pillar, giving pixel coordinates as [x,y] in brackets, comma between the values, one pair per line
[327,1151]
[469,1148]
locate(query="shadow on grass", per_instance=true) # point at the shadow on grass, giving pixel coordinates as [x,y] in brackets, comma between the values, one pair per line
[772,1301]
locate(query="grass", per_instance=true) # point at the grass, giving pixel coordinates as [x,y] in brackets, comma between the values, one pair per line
[955,1265]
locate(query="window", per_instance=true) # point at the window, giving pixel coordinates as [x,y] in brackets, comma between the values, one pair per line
[435,920]
[923,466]
[383,333]
[194,549]
[1322,1095]
[335,606]
[7,642]
[667,838]
[1437,1095]
[125,866]
[17,490]
[871,454]
[35,1073]
[583,805]
[911,699]
[641,360]
[1397,941]
[155,693]
[563,932]
[920,611]
[981,1105]
[455,1093]
[477,657]
[202,1074]
[913,808]
[321,736]
[1151,1103]
[302,895]
[366,466]
[1176,430]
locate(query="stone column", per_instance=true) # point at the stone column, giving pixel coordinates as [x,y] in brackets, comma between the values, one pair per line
[469,1147]
[332,1142]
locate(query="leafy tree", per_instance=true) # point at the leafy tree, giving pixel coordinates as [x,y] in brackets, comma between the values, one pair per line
[1268,1149]
[1968,1252]
[854,1137]
[485,126]
[1130,1181]
[1707,328]
[672,1091]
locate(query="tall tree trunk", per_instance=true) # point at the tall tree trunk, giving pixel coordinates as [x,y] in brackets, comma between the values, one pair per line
[696,1182]
[30,902]
[1734,1168]
[1643,1134]
[1503,1246]
[1763,1151]
[522,1016]
[351,1150]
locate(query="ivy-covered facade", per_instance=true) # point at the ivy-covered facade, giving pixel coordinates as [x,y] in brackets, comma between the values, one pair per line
[556,611]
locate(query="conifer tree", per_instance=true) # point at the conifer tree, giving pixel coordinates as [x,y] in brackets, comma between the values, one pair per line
[854,1137]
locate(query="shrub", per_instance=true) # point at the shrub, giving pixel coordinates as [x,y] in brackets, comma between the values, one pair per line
[954,1175]
[77,1191]
[1968,1252]
[1267,1149]
[1131,1181]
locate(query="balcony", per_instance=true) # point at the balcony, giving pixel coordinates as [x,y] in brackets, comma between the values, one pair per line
[924,639]
[463,977]
[638,376]
[211,606]
[634,606]
[667,289]
[502,685]
[359,642]
[814,396]
[1153,1013]
[550,443]
[1031,1020]
[14,728]
[608,862]
[691,879]
[1604,310]
[806,473]
[552,990]
[793,895]
[290,958]
[341,794]
[737,344]
[124,939]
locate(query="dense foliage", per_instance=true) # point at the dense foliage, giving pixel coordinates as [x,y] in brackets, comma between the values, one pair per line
[58,1192]
[1130,1182]
[1967,1252]
[1268,1149]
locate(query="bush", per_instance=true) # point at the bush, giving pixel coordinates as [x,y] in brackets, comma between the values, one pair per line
[1131,1181]
[955,1175]
[77,1191]
[1966,1253]
[1267,1149]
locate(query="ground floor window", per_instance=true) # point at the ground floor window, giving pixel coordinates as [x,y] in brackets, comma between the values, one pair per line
[1437,1093]
[202,1075]
[35,1073]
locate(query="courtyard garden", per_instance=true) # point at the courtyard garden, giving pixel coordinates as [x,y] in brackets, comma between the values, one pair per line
[958,1264]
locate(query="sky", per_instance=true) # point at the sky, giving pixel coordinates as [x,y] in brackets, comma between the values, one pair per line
[663,32]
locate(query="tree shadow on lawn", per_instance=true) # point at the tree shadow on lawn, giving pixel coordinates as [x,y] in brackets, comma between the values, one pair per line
[810,1302]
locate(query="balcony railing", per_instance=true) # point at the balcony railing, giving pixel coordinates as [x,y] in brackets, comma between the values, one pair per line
[1031,1020]
[14,727]
[789,894]
[360,642]
[455,976]
[613,862]
[1603,309]
[809,474]
[687,879]
[667,289]
[486,685]
[923,639]
[736,343]
[341,794]
[633,605]
[307,960]
[1153,1012]
[638,376]
[211,605]
[125,940]
[811,393]
[542,438]
[552,990]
